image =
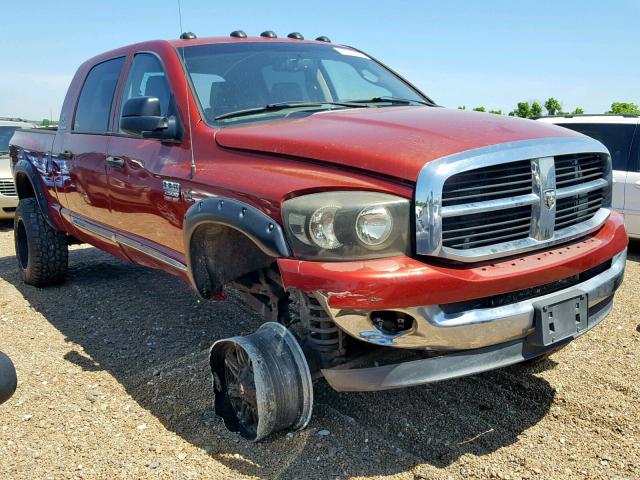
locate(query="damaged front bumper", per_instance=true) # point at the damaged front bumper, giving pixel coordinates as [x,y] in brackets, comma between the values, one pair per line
[518,327]
[437,327]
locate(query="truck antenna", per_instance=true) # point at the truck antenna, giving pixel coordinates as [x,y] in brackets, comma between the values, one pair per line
[186,91]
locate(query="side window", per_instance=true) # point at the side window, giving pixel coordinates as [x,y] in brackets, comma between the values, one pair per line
[351,84]
[96,97]
[616,137]
[634,164]
[147,78]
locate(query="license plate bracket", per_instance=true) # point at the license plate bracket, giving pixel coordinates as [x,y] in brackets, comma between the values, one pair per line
[560,318]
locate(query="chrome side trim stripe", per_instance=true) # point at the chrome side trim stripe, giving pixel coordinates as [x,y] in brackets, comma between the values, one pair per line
[150,252]
[92,228]
[119,239]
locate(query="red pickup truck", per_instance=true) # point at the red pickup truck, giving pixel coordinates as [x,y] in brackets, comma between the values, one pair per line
[386,241]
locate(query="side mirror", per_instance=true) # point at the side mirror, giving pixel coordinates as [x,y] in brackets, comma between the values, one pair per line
[141,116]
[8,379]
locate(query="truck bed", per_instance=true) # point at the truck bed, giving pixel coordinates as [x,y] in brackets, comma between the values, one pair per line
[36,140]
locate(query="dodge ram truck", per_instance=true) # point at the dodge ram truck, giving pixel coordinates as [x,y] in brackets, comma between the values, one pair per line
[386,241]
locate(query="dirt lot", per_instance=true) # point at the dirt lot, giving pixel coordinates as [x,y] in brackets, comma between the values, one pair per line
[114,384]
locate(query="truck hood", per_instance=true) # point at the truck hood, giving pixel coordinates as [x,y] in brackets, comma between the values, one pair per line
[394,141]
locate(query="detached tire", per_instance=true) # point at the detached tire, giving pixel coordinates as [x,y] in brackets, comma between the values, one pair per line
[41,251]
[261,382]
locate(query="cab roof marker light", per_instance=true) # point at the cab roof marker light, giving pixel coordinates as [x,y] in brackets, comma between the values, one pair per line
[238,34]
[323,38]
[296,36]
[269,34]
[188,36]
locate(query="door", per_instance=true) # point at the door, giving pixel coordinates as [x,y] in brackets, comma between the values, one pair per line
[84,148]
[138,166]
[632,191]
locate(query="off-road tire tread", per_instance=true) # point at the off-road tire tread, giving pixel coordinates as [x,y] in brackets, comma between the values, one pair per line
[48,249]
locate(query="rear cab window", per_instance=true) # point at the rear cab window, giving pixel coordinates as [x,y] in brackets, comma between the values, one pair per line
[618,138]
[96,97]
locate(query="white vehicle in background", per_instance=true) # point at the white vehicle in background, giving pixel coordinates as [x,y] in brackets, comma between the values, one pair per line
[8,195]
[621,135]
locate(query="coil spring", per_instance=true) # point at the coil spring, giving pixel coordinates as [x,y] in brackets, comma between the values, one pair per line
[324,336]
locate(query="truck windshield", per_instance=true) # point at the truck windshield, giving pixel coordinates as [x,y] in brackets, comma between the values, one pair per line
[5,135]
[260,80]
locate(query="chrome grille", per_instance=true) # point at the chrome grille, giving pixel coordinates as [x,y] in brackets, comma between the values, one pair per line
[7,187]
[510,198]
[470,231]
[485,183]
[578,208]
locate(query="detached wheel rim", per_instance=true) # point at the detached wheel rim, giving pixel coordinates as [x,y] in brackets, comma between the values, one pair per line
[22,245]
[241,388]
[261,382]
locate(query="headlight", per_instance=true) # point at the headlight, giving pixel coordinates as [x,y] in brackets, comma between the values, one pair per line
[347,225]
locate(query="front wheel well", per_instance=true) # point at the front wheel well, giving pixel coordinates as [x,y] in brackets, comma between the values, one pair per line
[24,187]
[220,254]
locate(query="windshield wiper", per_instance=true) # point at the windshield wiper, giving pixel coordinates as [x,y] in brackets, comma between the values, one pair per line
[274,107]
[397,101]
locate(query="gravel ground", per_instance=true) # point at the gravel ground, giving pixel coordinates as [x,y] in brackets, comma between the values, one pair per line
[114,384]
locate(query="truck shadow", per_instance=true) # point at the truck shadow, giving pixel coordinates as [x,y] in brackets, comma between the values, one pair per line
[6,225]
[151,333]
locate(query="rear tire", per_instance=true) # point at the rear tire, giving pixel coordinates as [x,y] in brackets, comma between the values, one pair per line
[41,251]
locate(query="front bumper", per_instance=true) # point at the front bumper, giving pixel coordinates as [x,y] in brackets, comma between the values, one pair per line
[352,291]
[8,206]
[435,329]
[520,316]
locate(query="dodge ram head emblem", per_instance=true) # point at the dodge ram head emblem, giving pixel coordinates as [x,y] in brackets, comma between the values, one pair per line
[549,199]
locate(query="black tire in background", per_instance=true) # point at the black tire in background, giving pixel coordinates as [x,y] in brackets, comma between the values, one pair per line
[41,251]
[8,379]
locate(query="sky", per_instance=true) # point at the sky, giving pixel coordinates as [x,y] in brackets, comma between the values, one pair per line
[491,53]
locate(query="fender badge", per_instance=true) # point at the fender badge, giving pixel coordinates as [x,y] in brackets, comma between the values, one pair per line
[171,189]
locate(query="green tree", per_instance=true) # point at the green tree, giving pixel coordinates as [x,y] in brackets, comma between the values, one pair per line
[620,108]
[553,106]
[479,109]
[536,109]
[462,107]
[578,111]
[45,122]
[496,112]
[523,110]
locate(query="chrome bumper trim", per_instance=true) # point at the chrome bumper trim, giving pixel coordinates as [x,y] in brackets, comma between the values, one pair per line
[433,329]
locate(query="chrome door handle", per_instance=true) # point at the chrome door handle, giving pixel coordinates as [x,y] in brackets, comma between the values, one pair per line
[65,155]
[115,162]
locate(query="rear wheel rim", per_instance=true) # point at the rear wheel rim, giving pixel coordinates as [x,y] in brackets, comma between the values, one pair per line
[22,246]
[241,388]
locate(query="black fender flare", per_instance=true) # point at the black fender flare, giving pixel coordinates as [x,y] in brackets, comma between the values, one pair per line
[26,168]
[256,225]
